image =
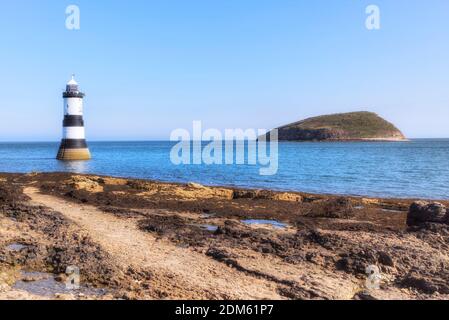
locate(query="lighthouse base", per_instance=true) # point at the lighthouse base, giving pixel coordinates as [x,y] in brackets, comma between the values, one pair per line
[73,150]
[73,154]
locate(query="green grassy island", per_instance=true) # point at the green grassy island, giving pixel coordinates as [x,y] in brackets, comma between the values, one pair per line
[353,126]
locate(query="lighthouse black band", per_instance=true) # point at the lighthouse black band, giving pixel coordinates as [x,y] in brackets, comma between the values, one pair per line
[73,121]
[73,95]
[73,143]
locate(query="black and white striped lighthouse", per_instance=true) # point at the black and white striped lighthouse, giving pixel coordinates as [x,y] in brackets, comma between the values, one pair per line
[73,144]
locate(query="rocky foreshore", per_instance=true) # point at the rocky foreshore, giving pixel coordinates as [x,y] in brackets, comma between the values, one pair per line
[138,239]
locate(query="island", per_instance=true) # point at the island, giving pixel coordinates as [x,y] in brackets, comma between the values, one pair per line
[352,126]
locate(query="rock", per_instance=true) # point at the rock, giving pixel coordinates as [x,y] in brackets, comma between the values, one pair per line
[368,201]
[33,277]
[385,259]
[85,183]
[336,208]
[4,287]
[356,261]
[286,196]
[195,185]
[61,277]
[421,212]
[221,255]
[419,283]
[197,191]
[141,185]
[364,296]
[64,296]
[245,194]
[115,181]
[267,195]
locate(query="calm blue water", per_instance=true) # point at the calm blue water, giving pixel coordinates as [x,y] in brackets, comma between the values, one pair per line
[419,168]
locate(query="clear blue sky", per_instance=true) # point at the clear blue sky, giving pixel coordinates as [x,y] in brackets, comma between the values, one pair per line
[151,66]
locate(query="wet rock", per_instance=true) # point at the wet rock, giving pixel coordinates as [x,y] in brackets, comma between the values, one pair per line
[425,229]
[286,196]
[197,191]
[219,254]
[114,181]
[327,241]
[422,212]
[337,208]
[385,259]
[297,292]
[245,194]
[355,262]
[297,258]
[61,277]
[31,278]
[427,282]
[162,224]
[368,201]
[85,183]
[222,255]
[219,231]
[195,185]
[267,195]
[316,258]
[140,185]
[364,296]
[420,283]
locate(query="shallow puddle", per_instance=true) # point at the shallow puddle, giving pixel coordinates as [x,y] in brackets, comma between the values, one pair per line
[273,223]
[45,285]
[208,227]
[390,210]
[15,247]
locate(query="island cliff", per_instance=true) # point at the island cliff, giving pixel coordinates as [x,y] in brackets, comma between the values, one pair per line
[353,126]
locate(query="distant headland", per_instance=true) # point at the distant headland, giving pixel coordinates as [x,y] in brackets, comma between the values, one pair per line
[353,126]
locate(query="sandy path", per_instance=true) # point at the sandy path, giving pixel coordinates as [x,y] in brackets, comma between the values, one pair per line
[182,272]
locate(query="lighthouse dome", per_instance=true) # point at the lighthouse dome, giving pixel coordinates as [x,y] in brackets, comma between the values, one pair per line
[72,82]
[72,85]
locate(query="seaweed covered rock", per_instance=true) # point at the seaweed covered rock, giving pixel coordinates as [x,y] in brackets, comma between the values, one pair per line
[267,195]
[422,212]
[337,208]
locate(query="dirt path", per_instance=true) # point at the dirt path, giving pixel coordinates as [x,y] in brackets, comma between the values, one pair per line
[181,271]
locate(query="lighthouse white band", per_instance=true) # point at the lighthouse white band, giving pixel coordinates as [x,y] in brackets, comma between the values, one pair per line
[73,133]
[73,106]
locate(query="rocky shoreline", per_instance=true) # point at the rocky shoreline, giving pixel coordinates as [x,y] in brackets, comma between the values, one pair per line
[138,239]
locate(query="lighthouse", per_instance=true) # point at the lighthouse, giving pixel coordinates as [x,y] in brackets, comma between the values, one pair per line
[73,144]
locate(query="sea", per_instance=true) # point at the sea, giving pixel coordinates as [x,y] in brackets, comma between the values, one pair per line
[412,169]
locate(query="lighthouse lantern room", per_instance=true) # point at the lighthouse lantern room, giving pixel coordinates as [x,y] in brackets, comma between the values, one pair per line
[73,144]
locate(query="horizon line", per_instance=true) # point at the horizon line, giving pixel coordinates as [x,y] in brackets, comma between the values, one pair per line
[166,140]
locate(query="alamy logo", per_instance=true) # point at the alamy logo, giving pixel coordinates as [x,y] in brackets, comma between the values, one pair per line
[73,278]
[374,277]
[373,20]
[235,146]
[72,21]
